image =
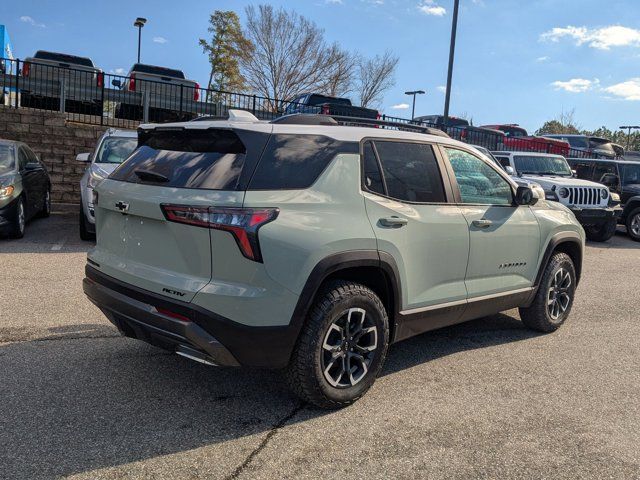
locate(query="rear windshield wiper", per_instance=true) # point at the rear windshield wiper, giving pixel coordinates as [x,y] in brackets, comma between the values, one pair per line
[149,176]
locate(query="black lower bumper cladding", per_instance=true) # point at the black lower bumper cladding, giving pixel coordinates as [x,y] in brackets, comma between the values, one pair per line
[206,336]
[596,216]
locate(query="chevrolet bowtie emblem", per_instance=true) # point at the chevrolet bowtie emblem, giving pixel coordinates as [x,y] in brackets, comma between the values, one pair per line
[123,207]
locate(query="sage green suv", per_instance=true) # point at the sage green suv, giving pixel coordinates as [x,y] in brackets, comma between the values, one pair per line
[309,246]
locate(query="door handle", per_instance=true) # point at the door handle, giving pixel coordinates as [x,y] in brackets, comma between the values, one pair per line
[393,222]
[484,223]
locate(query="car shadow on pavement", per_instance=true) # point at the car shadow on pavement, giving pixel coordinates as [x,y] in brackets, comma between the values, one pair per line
[481,333]
[82,399]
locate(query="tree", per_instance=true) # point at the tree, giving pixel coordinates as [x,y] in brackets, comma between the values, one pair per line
[290,56]
[374,77]
[563,123]
[225,49]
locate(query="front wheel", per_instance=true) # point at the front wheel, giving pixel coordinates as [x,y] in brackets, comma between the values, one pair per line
[602,233]
[554,299]
[46,206]
[341,348]
[19,220]
[633,224]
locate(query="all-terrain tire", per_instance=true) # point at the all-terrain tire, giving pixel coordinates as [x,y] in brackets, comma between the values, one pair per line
[558,280]
[305,373]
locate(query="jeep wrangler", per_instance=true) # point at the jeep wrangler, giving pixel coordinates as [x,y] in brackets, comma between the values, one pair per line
[595,208]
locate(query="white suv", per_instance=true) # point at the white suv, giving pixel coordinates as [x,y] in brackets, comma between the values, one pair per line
[593,205]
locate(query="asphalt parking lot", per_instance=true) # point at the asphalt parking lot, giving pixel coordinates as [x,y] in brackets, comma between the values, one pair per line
[487,399]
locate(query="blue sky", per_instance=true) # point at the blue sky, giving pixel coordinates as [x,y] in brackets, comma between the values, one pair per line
[517,61]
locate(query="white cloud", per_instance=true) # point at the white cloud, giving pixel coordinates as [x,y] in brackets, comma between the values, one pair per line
[600,38]
[430,7]
[160,40]
[333,2]
[118,71]
[576,85]
[441,88]
[31,21]
[542,59]
[629,90]
[400,106]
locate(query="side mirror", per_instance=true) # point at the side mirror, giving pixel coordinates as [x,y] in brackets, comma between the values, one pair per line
[116,83]
[83,157]
[525,196]
[574,174]
[509,169]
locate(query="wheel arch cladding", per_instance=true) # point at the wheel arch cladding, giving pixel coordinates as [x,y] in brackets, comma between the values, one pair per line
[566,243]
[367,267]
[630,206]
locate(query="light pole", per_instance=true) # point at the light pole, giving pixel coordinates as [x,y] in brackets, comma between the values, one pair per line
[629,128]
[414,93]
[139,23]
[452,50]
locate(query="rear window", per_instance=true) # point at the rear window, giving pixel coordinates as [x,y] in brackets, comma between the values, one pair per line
[320,99]
[208,159]
[153,70]
[512,132]
[293,162]
[457,122]
[576,142]
[64,58]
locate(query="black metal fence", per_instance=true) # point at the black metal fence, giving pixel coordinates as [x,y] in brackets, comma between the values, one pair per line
[88,95]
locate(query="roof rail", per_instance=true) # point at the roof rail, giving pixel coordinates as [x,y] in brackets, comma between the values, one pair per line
[319,119]
[305,119]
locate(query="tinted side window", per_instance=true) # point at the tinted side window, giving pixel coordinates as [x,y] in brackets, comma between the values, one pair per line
[601,169]
[504,161]
[292,162]
[410,171]
[372,175]
[23,158]
[478,182]
[583,169]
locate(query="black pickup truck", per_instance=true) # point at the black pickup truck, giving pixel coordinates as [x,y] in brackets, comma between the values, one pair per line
[325,105]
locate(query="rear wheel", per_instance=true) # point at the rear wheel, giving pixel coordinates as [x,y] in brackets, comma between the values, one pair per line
[554,299]
[341,348]
[602,233]
[46,206]
[633,224]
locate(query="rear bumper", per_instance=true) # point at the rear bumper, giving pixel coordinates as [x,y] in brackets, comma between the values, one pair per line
[207,337]
[596,216]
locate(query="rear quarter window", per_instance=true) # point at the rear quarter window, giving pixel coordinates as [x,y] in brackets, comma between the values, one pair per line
[294,162]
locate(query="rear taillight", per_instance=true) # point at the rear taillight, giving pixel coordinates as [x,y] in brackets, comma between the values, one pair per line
[196,93]
[26,68]
[132,83]
[100,80]
[325,109]
[242,223]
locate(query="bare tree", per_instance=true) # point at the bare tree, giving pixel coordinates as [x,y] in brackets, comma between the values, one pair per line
[375,76]
[290,56]
[342,77]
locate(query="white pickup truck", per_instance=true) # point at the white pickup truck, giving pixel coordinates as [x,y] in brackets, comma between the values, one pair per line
[170,96]
[47,77]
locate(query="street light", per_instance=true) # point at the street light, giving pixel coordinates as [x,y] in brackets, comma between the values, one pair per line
[452,49]
[414,93]
[629,128]
[139,23]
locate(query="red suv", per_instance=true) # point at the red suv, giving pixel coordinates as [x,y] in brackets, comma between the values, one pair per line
[517,139]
